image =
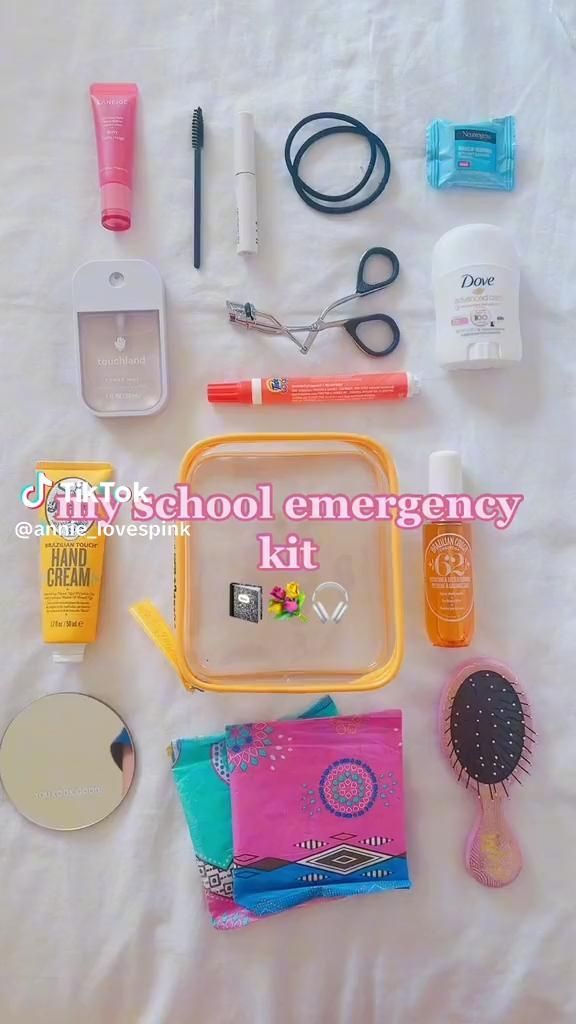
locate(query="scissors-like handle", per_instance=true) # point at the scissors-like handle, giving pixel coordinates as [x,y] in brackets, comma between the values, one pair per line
[353,325]
[364,287]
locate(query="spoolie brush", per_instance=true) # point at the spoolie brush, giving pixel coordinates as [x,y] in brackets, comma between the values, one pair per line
[197,146]
[487,734]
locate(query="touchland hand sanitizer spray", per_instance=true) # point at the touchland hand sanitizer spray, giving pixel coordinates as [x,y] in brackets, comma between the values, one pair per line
[476,276]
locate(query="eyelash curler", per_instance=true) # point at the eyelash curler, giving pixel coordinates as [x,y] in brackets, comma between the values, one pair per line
[248,316]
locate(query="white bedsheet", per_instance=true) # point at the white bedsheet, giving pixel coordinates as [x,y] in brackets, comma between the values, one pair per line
[107,926]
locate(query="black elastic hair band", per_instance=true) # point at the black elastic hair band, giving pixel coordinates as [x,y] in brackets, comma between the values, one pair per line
[331,203]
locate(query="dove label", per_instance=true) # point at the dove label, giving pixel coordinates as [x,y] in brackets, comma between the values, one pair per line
[474,306]
[476,277]
[477,319]
[468,280]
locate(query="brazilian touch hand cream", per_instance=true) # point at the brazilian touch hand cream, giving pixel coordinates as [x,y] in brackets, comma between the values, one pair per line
[476,276]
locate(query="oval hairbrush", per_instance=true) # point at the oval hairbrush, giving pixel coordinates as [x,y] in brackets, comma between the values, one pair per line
[486,731]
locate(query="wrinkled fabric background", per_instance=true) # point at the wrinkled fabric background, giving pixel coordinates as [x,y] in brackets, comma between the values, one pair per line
[107,925]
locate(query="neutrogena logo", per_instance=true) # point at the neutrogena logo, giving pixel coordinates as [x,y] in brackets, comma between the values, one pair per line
[476,135]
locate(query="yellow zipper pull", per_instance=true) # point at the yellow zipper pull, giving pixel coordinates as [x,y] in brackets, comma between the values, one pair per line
[154,624]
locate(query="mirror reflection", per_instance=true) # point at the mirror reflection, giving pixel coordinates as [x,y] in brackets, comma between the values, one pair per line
[67,761]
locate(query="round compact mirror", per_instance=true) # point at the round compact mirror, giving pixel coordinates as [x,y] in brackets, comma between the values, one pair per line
[67,761]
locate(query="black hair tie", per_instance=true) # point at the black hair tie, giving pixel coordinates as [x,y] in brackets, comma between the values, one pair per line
[330,203]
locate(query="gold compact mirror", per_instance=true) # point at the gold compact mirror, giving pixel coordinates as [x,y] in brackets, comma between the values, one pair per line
[67,761]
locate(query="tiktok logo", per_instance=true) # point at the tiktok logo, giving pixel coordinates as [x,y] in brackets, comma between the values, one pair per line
[34,495]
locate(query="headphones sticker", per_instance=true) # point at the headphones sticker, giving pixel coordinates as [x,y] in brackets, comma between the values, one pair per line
[286,602]
[340,608]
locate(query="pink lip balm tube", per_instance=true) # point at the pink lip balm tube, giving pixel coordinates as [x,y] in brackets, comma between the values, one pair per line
[114,110]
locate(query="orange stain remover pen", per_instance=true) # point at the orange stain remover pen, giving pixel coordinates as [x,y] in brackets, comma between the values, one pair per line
[360,387]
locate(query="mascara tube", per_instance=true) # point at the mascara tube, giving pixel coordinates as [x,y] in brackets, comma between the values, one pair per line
[245,184]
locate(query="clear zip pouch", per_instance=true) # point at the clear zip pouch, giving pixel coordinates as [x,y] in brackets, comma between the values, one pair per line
[337,626]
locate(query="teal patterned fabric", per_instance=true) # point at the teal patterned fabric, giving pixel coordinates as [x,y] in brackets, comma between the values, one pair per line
[202,774]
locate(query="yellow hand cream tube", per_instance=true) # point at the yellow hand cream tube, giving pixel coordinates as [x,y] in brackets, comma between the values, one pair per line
[71,555]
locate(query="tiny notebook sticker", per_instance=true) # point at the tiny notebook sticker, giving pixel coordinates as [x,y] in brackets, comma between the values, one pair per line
[246,602]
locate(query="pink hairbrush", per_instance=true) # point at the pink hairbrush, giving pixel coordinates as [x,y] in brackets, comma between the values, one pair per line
[486,731]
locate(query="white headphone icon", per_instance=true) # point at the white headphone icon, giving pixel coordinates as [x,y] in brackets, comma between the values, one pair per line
[340,608]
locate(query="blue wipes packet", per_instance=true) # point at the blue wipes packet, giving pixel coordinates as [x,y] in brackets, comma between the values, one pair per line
[481,155]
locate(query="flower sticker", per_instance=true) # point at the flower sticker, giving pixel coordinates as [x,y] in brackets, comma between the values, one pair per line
[287,603]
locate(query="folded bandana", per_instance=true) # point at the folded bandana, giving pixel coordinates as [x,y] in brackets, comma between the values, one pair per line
[202,774]
[320,814]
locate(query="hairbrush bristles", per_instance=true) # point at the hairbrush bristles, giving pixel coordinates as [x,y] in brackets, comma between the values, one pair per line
[492,748]
[487,733]
[197,129]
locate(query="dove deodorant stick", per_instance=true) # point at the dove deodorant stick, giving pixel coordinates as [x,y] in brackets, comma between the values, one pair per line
[476,276]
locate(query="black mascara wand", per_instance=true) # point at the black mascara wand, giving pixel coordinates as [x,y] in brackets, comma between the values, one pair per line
[197,144]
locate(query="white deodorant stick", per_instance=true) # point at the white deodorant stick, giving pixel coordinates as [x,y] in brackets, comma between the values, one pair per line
[476,275]
[245,183]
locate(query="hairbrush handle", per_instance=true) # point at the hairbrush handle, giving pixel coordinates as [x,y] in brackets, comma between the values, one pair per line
[493,855]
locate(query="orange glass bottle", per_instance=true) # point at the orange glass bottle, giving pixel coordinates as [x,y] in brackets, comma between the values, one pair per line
[448,577]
